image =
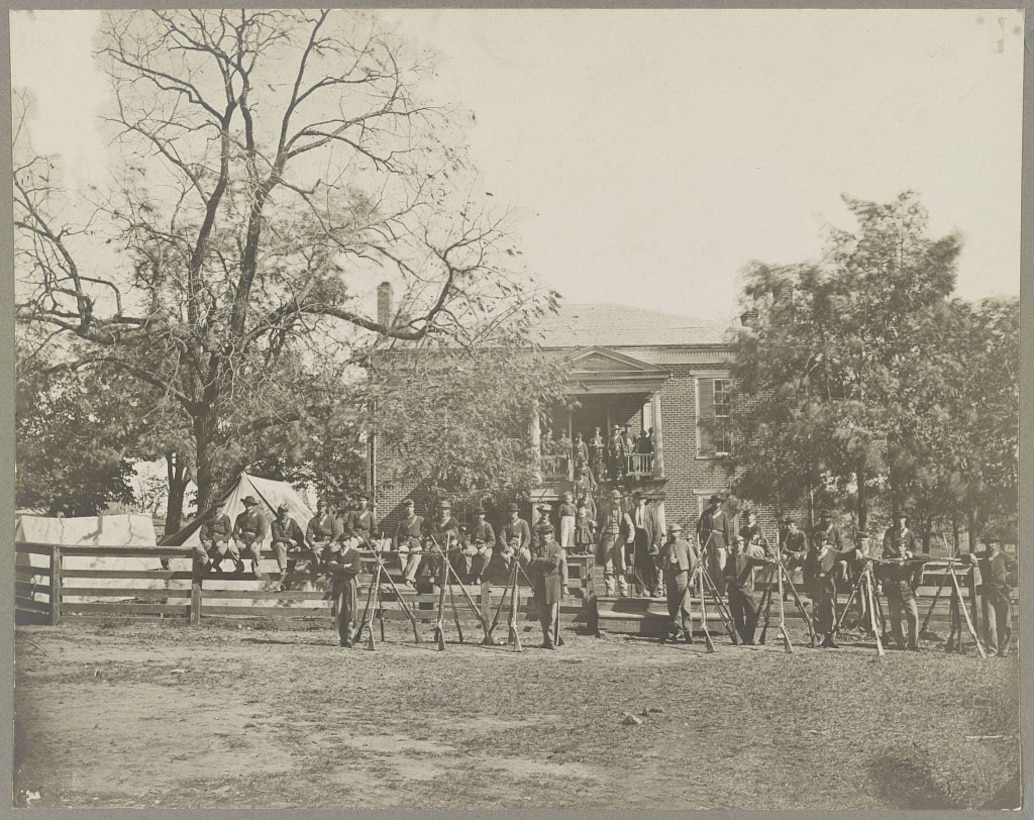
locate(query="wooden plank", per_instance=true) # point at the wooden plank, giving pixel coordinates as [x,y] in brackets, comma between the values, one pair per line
[264,611]
[159,574]
[27,547]
[29,605]
[122,592]
[28,572]
[262,594]
[55,586]
[26,590]
[95,551]
[128,609]
[195,591]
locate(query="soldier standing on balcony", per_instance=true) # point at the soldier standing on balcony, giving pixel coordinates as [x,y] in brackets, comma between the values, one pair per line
[715,533]
[618,460]
[581,454]
[564,449]
[612,546]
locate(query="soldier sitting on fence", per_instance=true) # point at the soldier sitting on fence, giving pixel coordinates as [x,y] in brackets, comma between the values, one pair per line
[323,528]
[287,536]
[480,547]
[249,531]
[215,542]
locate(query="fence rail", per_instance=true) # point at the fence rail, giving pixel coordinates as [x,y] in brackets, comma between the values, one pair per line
[50,590]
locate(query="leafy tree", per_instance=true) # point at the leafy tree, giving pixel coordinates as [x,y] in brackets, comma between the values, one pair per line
[842,350]
[272,163]
[456,420]
[70,458]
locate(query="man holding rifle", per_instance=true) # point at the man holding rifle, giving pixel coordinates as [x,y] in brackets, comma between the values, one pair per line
[715,532]
[546,573]
[995,569]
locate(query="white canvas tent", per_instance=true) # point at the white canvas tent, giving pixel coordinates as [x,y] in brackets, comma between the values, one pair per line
[269,493]
[100,530]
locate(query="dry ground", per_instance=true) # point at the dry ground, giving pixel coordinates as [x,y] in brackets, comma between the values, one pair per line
[141,715]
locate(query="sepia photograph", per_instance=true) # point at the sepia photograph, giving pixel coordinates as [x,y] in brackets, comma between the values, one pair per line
[516,409]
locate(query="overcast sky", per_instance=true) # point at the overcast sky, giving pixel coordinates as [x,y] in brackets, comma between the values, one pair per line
[651,154]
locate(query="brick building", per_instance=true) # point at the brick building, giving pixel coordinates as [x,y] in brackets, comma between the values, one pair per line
[641,368]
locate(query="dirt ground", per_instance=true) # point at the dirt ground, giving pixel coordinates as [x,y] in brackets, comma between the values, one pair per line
[159,714]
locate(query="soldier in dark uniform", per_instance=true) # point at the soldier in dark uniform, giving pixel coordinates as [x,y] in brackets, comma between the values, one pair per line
[344,565]
[361,522]
[514,535]
[323,528]
[995,570]
[408,542]
[618,455]
[286,536]
[446,533]
[480,546]
[795,546]
[678,560]
[250,530]
[715,532]
[898,578]
[538,529]
[743,559]
[581,454]
[215,541]
[646,545]
[546,572]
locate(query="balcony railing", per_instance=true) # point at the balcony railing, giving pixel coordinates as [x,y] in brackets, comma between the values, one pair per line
[557,468]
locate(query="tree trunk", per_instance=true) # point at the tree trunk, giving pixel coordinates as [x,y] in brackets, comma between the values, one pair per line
[204,441]
[860,479]
[177,478]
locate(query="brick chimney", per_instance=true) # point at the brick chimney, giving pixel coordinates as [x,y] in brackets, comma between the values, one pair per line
[385,316]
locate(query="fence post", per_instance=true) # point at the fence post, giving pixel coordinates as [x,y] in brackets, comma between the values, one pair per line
[974,606]
[55,584]
[197,567]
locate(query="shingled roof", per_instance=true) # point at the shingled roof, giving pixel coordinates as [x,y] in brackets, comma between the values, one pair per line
[621,326]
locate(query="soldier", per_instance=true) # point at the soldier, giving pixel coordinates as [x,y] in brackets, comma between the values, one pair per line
[538,529]
[744,557]
[583,483]
[611,550]
[546,572]
[286,535]
[514,536]
[585,498]
[446,533]
[819,576]
[480,547]
[581,454]
[795,546]
[361,521]
[678,560]
[344,565]
[323,528]
[618,455]
[564,452]
[646,545]
[715,532]
[407,541]
[568,513]
[898,577]
[215,541]
[995,569]
[597,446]
[250,530]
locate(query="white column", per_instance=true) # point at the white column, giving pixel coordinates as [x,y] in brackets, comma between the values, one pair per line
[658,447]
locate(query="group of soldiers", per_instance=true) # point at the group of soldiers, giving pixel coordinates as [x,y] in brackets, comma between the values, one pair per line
[624,533]
[596,459]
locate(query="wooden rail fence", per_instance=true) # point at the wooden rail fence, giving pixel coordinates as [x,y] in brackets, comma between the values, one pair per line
[52,586]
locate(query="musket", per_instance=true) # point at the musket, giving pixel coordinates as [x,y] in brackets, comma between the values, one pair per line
[470,601]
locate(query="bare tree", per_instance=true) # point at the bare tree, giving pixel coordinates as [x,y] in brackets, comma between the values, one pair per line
[271,160]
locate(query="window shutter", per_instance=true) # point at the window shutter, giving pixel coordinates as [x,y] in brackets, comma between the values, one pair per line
[705,418]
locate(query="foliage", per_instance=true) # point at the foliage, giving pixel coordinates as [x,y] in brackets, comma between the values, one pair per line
[457,420]
[843,364]
[69,445]
[274,165]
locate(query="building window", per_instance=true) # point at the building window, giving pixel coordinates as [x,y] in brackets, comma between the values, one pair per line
[714,428]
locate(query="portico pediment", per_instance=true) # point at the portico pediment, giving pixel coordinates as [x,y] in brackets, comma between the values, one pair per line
[602,370]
